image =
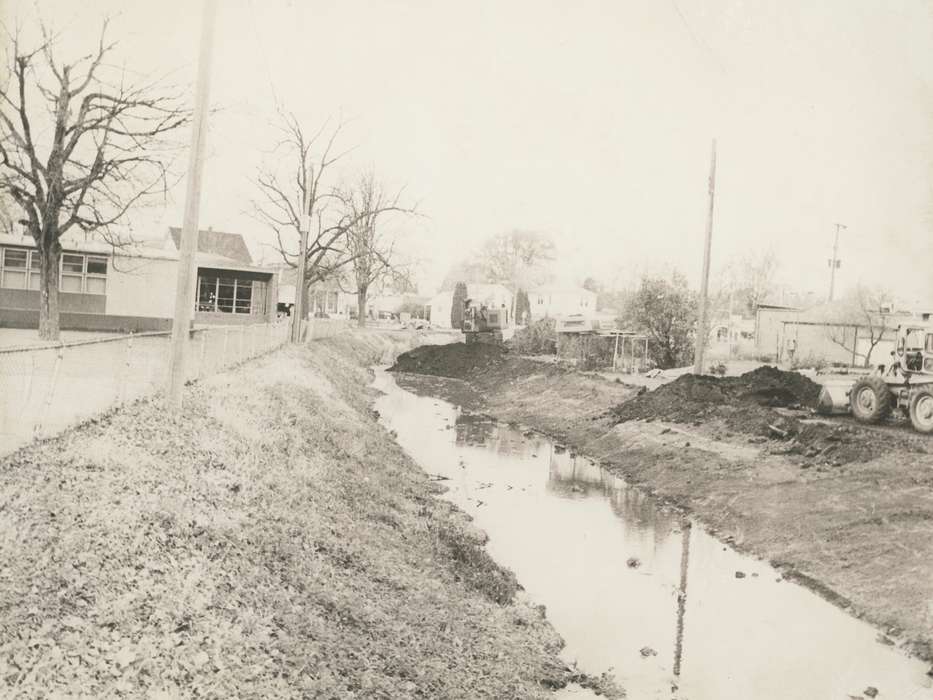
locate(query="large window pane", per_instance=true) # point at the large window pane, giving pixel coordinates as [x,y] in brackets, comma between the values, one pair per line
[34,279]
[95,285]
[97,266]
[225,295]
[73,263]
[259,297]
[34,259]
[14,279]
[71,283]
[13,258]
[207,293]
[244,296]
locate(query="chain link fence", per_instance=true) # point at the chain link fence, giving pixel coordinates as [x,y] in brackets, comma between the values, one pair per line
[46,389]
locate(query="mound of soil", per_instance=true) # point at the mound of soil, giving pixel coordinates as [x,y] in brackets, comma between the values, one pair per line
[695,398]
[457,360]
[746,405]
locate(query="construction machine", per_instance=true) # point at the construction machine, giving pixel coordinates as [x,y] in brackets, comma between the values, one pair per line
[905,384]
[483,325]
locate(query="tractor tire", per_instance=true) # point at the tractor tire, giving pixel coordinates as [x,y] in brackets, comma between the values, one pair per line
[921,410]
[870,399]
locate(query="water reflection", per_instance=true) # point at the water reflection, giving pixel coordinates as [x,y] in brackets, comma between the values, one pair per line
[629,585]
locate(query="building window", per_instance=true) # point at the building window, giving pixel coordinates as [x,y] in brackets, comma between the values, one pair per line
[34,272]
[15,268]
[72,273]
[83,274]
[80,274]
[229,295]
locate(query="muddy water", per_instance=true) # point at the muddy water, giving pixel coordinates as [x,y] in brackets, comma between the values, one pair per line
[631,586]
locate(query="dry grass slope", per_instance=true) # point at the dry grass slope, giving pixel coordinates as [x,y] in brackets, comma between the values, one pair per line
[272,542]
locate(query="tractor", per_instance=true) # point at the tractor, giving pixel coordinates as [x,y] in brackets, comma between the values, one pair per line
[905,384]
[482,324]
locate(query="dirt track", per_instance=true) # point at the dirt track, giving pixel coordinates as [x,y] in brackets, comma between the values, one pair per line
[846,510]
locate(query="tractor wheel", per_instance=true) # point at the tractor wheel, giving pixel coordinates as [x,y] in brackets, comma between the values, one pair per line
[921,410]
[870,399]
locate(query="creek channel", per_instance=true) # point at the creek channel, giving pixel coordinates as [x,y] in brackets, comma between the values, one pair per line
[633,586]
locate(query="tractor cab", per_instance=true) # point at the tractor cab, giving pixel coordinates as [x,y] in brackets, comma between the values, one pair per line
[913,353]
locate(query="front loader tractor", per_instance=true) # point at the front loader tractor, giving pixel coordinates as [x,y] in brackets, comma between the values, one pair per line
[905,384]
[482,324]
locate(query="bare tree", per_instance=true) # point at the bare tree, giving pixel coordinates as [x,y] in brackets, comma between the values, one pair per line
[371,247]
[516,259]
[79,147]
[860,317]
[748,281]
[6,215]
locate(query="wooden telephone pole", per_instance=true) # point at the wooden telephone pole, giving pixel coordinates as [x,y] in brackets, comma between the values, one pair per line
[835,262]
[304,223]
[184,290]
[702,327]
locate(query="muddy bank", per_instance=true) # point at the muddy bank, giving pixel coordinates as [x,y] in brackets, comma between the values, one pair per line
[273,541]
[853,522]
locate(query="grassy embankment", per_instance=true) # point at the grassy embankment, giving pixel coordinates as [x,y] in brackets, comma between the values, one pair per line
[859,532]
[273,542]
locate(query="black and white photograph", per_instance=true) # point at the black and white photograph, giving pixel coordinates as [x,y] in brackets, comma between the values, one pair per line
[502,350]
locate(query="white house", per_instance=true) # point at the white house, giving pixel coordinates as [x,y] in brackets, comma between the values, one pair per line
[553,302]
[491,295]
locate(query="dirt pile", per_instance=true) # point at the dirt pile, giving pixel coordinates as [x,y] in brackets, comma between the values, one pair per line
[747,405]
[696,398]
[457,360]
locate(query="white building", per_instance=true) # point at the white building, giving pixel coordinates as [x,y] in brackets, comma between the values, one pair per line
[490,295]
[554,302]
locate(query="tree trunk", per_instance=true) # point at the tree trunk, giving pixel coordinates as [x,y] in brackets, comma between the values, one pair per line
[48,292]
[361,307]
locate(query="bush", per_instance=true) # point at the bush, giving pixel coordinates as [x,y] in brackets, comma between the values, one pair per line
[538,338]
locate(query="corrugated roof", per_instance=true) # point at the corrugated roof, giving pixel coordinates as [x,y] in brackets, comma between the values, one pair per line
[227,245]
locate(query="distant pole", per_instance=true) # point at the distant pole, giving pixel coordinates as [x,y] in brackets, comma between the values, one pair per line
[305,226]
[835,262]
[184,290]
[704,282]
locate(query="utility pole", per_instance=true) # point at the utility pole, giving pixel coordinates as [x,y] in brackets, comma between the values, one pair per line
[184,290]
[304,224]
[835,262]
[702,331]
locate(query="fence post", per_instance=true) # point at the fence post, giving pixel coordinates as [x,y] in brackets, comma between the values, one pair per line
[242,349]
[48,397]
[126,369]
[252,340]
[203,352]
[223,353]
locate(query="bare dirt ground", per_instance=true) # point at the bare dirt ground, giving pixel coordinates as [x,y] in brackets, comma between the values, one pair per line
[272,541]
[845,509]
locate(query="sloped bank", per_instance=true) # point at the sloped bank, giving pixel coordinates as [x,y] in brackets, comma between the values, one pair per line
[273,541]
[844,510]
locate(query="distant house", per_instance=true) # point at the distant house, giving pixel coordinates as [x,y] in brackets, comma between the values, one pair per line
[132,288]
[555,302]
[492,295]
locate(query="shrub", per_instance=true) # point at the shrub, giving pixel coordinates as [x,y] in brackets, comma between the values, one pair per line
[538,338]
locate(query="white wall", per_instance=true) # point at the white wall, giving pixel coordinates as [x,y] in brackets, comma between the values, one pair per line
[561,302]
[141,287]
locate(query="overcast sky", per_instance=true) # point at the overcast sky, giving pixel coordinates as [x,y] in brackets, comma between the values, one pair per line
[591,121]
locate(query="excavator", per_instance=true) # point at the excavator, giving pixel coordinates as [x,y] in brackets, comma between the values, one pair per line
[905,384]
[482,324]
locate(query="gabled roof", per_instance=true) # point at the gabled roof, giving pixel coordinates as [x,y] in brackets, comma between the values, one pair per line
[226,245]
